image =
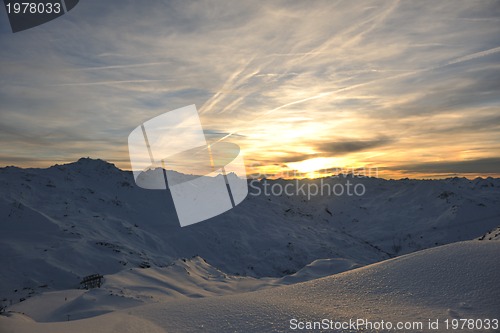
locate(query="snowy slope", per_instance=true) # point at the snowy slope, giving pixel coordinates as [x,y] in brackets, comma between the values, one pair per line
[185,278]
[65,222]
[453,281]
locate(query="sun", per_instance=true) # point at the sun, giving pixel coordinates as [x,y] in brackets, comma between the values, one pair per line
[315,167]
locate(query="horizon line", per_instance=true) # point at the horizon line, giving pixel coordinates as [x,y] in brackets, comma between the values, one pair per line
[429,176]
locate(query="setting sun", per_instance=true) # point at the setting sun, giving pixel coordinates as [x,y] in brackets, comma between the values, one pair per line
[315,164]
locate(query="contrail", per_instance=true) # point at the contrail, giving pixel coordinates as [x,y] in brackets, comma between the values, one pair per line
[354,29]
[451,62]
[231,81]
[474,56]
[328,93]
[145,64]
[102,83]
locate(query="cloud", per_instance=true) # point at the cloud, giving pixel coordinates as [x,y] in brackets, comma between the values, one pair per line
[339,147]
[344,146]
[290,157]
[478,166]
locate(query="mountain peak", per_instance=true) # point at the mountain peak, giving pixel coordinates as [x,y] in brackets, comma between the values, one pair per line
[88,162]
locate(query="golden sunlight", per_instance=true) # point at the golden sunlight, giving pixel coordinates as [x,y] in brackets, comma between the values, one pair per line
[314,164]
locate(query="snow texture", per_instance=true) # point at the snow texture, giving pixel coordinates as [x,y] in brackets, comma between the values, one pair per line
[270,259]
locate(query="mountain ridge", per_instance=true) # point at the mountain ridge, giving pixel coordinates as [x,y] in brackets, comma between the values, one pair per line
[102,162]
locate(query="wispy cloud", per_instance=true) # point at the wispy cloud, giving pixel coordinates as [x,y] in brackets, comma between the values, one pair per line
[393,84]
[339,147]
[477,166]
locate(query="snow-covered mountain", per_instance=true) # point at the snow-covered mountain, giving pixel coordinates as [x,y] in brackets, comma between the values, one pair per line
[68,221]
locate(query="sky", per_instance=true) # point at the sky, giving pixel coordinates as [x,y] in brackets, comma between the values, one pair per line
[392,88]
